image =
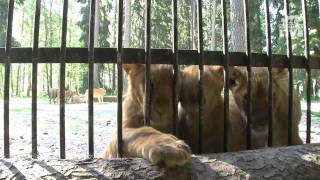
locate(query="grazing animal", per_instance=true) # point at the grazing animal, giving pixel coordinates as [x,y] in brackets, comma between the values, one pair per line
[97,93]
[53,95]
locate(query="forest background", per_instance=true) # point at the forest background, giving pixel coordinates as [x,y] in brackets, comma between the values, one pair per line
[161,26]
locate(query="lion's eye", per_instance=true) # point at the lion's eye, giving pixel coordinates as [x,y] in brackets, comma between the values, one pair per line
[151,90]
[232,82]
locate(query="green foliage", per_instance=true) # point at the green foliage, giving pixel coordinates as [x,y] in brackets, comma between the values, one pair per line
[161,31]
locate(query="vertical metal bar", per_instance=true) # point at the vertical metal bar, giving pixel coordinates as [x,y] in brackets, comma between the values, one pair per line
[248,53]
[6,139]
[269,53]
[289,56]
[226,74]
[91,69]
[62,79]
[35,78]
[147,106]
[120,77]
[175,65]
[201,62]
[307,57]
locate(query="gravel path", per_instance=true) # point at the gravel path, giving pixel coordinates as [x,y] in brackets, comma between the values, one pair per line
[77,129]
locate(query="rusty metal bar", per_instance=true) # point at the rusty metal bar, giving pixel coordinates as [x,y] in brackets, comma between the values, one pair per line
[120,78]
[289,57]
[308,63]
[248,53]
[226,74]
[200,86]
[269,54]
[35,53]
[147,106]
[91,69]
[62,79]
[175,66]
[158,56]
[6,118]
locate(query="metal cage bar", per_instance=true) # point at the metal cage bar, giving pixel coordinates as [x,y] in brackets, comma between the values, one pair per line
[120,78]
[6,104]
[35,52]
[248,53]
[289,58]
[175,65]
[62,79]
[226,74]
[270,86]
[308,63]
[200,86]
[158,56]
[91,69]
[147,105]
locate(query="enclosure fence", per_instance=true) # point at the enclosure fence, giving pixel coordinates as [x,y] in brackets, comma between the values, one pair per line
[148,56]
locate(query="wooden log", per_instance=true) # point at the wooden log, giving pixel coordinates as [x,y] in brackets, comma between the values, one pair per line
[295,162]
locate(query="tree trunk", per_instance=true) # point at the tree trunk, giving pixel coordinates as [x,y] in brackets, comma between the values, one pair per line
[96,83]
[109,75]
[23,78]
[127,21]
[295,162]
[194,25]
[213,24]
[11,75]
[29,82]
[51,80]
[316,89]
[18,81]
[48,79]
[46,26]
[50,25]
[237,26]
[113,77]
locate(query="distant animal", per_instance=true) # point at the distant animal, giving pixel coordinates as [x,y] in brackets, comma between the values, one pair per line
[69,94]
[53,95]
[76,99]
[97,93]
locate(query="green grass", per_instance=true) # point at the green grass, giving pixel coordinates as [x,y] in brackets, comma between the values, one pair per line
[315,115]
[20,109]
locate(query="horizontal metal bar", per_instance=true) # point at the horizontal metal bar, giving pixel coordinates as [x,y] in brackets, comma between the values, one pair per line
[158,56]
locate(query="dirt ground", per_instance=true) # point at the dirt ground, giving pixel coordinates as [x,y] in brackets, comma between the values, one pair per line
[77,128]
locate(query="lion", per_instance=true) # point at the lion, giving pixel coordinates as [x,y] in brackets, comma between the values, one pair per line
[97,93]
[213,117]
[152,143]
[259,99]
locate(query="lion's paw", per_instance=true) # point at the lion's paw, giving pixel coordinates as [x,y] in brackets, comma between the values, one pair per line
[174,152]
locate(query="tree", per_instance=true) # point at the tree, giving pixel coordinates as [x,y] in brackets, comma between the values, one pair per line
[237,26]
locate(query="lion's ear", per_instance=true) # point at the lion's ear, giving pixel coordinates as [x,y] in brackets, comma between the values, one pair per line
[236,77]
[279,73]
[131,68]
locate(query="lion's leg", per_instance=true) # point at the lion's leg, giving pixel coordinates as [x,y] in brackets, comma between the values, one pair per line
[152,145]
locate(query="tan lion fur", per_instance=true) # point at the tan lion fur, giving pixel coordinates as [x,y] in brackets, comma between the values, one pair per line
[213,118]
[152,143]
[259,94]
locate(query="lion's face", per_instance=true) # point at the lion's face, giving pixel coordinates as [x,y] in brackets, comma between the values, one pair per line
[259,99]
[212,87]
[161,92]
